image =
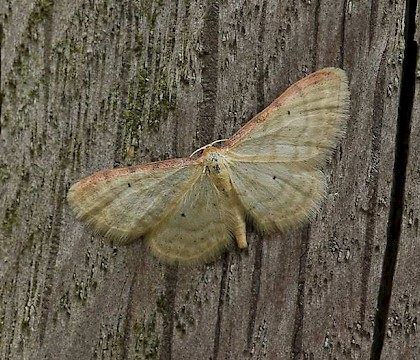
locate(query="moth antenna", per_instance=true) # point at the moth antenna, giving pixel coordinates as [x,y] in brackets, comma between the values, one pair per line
[208,145]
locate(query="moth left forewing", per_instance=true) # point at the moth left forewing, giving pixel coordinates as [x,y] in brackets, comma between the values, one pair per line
[197,230]
[125,204]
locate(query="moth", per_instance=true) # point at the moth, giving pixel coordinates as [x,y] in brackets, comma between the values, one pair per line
[269,172]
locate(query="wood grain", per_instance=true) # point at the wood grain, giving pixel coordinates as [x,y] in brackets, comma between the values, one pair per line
[402,338]
[89,85]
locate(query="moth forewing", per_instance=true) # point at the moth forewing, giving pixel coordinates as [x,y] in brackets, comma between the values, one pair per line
[125,204]
[304,123]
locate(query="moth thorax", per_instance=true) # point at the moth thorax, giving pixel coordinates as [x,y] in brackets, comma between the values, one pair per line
[215,167]
[214,162]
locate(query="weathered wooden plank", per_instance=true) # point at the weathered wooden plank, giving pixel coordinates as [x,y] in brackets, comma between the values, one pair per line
[347,245]
[106,87]
[402,340]
[88,85]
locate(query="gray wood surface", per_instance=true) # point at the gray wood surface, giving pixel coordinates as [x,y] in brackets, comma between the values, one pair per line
[402,339]
[87,85]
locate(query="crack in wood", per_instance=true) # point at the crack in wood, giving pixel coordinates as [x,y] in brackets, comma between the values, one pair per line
[54,235]
[255,291]
[54,238]
[171,281]
[373,177]
[373,15]
[222,294]
[128,328]
[395,215]
[297,342]
[1,90]
[260,58]
[210,72]
[256,274]
[343,34]
[315,35]
[126,58]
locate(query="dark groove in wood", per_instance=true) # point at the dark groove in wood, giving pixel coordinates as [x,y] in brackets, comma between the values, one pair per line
[176,119]
[168,315]
[53,239]
[123,95]
[255,290]
[297,342]
[372,19]
[222,294]
[210,72]
[260,59]
[373,177]
[54,236]
[12,289]
[48,31]
[1,90]
[315,35]
[128,317]
[399,179]
[343,34]
[256,274]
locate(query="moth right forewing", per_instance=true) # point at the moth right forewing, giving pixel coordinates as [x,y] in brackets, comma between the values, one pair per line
[303,124]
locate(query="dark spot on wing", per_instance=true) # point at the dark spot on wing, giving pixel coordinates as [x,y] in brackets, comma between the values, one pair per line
[129,185]
[274,177]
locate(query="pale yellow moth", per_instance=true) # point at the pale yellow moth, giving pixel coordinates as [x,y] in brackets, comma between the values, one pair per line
[189,210]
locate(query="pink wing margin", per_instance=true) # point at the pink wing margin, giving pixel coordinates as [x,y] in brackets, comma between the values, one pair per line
[296,90]
[85,185]
[94,198]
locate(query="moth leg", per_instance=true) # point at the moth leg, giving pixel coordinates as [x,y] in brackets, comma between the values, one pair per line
[239,230]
